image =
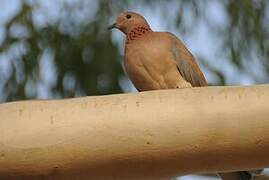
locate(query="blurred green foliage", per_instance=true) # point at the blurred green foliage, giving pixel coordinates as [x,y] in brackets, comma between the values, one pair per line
[80,58]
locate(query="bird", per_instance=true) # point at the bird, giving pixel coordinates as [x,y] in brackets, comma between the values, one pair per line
[159,60]
[156,60]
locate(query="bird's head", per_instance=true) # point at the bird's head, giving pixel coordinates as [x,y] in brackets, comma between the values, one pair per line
[127,21]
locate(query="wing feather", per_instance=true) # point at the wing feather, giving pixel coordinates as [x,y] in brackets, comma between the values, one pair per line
[186,63]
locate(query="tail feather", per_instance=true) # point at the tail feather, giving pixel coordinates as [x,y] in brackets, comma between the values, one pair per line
[245,175]
[242,175]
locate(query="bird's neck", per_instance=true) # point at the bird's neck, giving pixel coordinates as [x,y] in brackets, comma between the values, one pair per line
[136,33]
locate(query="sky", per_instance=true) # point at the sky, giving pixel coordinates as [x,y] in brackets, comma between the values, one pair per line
[201,41]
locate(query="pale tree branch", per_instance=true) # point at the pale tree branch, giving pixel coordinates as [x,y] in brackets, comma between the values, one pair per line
[157,134]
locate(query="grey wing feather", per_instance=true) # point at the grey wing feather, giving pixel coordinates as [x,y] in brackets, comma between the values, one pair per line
[186,63]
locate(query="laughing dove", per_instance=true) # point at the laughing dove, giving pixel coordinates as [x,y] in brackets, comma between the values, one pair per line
[156,60]
[159,60]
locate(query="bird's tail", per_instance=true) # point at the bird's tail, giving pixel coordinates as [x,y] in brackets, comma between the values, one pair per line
[241,175]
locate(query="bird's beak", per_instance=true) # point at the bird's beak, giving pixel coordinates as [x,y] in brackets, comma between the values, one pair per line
[114,25]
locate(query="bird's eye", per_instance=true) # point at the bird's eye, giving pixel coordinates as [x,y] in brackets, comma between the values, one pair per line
[128,16]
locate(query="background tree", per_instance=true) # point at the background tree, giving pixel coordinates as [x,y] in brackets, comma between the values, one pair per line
[56,49]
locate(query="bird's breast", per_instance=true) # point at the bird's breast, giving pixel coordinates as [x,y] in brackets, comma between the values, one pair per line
[146,64]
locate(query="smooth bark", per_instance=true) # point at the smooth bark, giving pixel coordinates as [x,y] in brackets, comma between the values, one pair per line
[141,135]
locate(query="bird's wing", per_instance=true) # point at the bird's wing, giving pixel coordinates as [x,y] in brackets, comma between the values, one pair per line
[186,63]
